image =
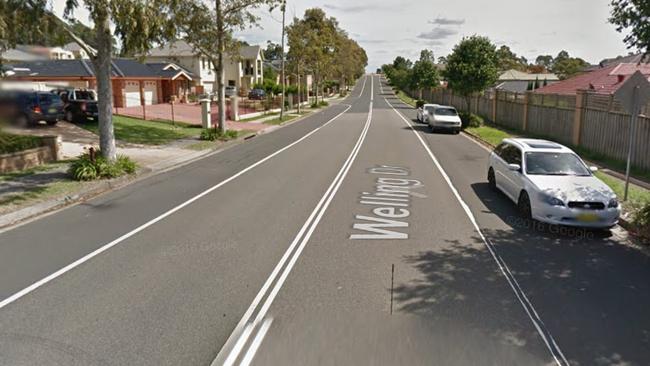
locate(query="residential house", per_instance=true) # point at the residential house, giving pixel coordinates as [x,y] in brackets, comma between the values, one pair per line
[519,81]
[76,50]
[242,72]
[605,80]
[31,53]
[134,83]
[306,83]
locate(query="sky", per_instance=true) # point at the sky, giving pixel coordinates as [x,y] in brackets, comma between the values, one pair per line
[403,28]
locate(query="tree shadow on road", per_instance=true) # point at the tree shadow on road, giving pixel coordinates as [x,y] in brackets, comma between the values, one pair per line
[591,290]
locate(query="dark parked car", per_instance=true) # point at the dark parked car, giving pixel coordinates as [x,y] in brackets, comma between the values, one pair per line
[80,104]
[256,94]
[27,108]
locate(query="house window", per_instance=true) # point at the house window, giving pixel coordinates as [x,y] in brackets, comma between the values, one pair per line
[259,67]
[231,82]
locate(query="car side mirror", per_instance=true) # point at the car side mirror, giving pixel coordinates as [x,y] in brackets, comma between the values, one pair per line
[593,168]
[514,167]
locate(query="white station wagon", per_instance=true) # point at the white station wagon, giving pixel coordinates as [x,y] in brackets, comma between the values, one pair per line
[440,117]
[550,183]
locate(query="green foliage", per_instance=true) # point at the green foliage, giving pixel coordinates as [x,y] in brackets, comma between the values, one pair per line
[472,66]
[508,60]
[273,51]
[632,16]
[86,168]
[424,73]
[566,67]
[419,103]
[13,143]
[315,105]
[323,103]
[212,134]
[642,219]
[470,120]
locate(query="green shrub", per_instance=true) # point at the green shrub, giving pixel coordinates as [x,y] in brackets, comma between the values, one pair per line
[642,220]
[470,120]
[213,134]
[85,169]
[315,105]
[323,103]
[13,143]
[419,103]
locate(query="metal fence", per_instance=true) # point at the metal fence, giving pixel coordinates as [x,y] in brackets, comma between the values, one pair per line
[594,121]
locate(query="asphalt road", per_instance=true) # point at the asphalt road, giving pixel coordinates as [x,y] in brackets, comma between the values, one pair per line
[353,237]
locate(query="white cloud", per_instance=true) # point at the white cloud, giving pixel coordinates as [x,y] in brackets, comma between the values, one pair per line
[447,21]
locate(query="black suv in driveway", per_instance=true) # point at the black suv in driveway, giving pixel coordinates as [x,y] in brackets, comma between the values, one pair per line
[80,104]
[27,108]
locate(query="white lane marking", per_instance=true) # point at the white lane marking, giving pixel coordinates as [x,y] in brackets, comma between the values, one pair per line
[239,335]
[257,341]
[512,281]
[107,246]
[364,85]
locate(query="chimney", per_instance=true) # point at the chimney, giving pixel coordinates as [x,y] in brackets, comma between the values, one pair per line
[621,78]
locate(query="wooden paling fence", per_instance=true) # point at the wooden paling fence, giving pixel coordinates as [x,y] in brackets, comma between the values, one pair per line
[594,121]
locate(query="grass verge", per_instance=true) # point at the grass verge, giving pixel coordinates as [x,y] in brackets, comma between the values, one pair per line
[405,98]
[138,131]
[278,121]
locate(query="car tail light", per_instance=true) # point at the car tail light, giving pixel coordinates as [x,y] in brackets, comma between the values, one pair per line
[83,107]
[37,109]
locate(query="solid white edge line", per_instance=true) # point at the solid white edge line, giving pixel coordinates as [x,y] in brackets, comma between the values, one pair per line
[242,337]
[111,244]
[257,341]
[506,272]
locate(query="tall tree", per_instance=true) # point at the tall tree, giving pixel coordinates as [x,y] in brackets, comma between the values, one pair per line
[273,51]
[472,66]
[632,16]
[544,60]
[508,60]
[138,24]
[209,27]
[312,42]
[424,73]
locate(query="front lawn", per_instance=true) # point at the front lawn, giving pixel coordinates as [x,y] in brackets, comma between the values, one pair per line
[138,131]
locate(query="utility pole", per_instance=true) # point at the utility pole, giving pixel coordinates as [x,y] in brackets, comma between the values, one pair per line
[284,7]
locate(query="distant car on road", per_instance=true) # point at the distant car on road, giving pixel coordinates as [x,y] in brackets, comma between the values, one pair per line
[80,104]
[27,108]
[256,94]
[443,117]
[550,183]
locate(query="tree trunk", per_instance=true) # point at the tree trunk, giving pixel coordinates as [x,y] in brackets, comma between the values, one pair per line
[102,64]
[219,69]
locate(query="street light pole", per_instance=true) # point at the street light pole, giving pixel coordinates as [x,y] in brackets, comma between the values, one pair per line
[284,7]
[636,109]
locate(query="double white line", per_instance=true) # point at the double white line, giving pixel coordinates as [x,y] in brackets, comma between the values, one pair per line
[239,339]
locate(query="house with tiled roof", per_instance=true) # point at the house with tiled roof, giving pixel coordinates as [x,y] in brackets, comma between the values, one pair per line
[518,81]
[242,72]
[134,83]
[604,80]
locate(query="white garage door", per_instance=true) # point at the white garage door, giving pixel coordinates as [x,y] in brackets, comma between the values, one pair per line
[150,93]
[132,93]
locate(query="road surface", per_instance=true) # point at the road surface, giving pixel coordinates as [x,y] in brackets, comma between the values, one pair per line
[353,237]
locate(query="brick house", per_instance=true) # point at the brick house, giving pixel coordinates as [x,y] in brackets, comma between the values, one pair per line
[134,83]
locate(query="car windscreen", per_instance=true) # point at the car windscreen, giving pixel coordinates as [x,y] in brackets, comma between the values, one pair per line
[550,163]
[84,95]
[446,112]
